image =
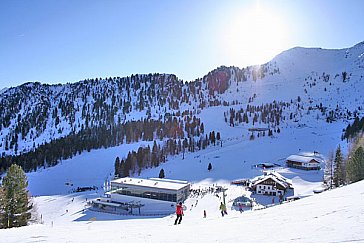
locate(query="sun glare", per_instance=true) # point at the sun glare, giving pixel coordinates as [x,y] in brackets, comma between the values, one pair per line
[254,36]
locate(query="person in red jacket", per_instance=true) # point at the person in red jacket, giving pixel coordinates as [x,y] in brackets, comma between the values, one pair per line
[179,212]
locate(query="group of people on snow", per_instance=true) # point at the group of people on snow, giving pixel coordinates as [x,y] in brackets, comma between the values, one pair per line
[201,192]
[180,214]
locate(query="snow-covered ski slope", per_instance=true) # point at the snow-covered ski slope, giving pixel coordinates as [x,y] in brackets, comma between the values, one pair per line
[234,160]
[306,72]
[333,216]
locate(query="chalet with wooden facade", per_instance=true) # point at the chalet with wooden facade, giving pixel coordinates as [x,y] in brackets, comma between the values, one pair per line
[303,162]
[271,183]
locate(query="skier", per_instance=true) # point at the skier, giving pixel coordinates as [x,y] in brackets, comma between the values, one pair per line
[179,212]
[204,213]
[223,209]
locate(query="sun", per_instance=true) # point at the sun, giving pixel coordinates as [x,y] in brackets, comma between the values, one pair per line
[254,36]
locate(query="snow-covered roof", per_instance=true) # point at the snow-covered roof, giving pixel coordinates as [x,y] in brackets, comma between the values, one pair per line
[169,180]
[152,182]
[278,178]
[303,159]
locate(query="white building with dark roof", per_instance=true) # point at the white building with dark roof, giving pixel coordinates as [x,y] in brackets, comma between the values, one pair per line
[304,162]
[270,183]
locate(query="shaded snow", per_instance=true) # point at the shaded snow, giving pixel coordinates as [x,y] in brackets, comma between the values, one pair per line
[85,170]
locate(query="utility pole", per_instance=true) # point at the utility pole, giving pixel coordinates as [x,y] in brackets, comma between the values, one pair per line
[223,190]
[223,194]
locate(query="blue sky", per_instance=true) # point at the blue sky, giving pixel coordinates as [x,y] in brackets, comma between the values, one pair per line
[59,41]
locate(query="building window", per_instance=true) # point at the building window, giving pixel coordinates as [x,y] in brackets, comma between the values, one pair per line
[149,194]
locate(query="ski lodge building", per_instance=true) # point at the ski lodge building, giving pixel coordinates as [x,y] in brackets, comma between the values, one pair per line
[150,196]
[270,183]
[303,162]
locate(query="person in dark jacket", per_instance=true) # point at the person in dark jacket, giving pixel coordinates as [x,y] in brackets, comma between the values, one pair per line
[179,212]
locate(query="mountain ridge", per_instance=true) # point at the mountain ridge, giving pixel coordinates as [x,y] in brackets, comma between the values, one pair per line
[34,114]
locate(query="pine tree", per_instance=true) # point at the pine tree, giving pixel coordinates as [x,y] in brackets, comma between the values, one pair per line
[338,168]
[213,139]
[15,202]
[161,174]
[218,137]
[355,166]
[209,167]
[117,167]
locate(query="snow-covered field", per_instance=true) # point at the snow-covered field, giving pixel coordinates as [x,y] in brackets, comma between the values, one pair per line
[333,216]
[234,160]
[65,217]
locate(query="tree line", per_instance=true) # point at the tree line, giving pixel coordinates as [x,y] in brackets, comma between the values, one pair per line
[146,157]
[269,114]
[352,130]
[49,154]
[31,110]
[340,171]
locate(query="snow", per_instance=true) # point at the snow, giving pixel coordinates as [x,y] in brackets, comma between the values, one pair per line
[152,182]
[303,159]
[85,170]
[332,216]
[66,218]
